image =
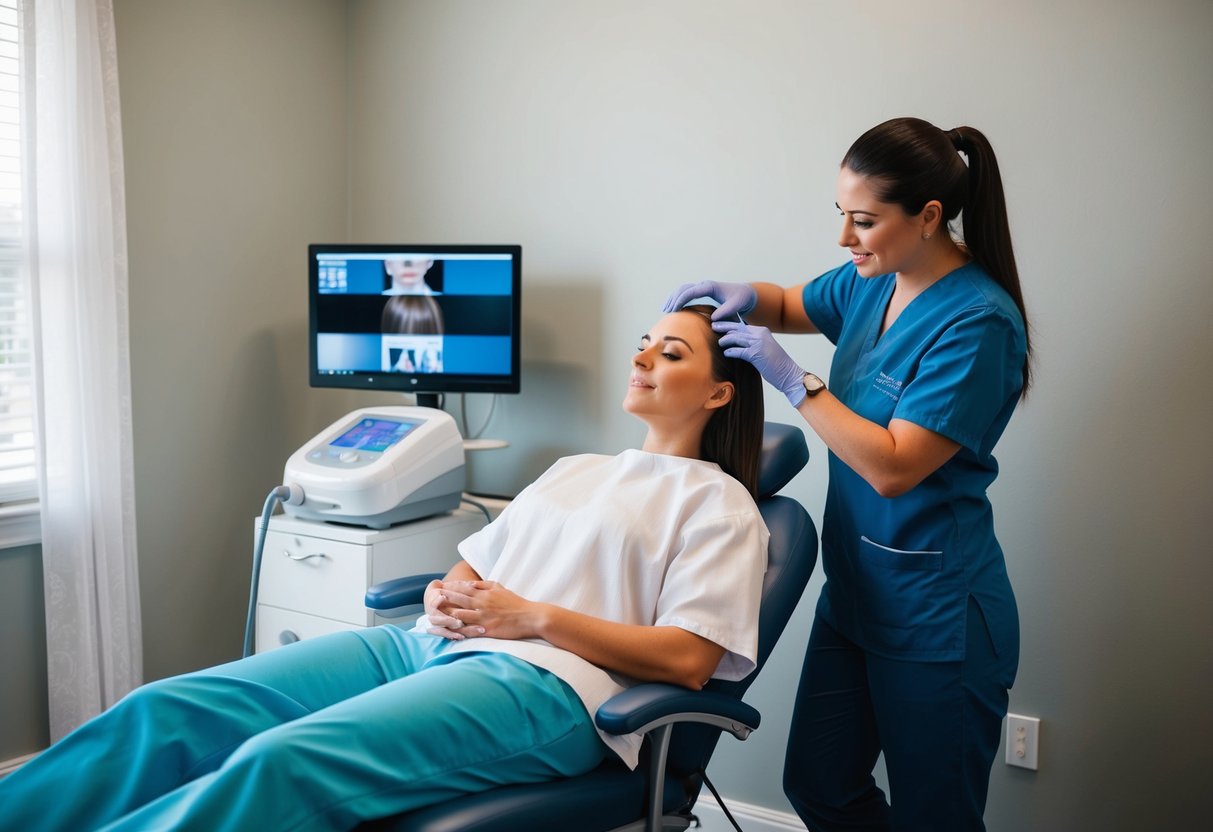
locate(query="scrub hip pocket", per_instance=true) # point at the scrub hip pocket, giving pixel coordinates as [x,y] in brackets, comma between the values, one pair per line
[909,603]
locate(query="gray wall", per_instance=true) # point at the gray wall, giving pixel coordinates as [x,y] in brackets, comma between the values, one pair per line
[24,726]
[631,145]
[234,129]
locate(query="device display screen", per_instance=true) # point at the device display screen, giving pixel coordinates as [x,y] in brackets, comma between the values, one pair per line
[374,435]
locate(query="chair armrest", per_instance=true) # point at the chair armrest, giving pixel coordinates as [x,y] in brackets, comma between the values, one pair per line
[392,595]
[653,709]
[642,708]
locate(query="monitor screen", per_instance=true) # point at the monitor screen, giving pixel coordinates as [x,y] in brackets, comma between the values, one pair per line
[414,318]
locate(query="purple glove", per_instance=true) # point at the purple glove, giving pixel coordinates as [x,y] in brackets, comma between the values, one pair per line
[756,345]
[734,298]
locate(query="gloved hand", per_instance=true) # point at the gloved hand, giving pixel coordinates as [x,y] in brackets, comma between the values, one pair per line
[734,298]
[756,345]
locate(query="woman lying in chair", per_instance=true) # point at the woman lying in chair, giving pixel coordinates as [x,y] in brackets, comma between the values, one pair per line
[646,566]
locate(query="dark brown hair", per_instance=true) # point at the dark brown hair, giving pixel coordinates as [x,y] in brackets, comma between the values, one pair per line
[910,162]
[412,315]
[733,436]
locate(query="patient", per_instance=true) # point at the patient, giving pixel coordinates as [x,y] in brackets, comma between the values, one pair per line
[646,566]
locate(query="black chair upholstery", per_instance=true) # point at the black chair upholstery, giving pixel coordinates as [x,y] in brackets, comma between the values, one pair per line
[681,726]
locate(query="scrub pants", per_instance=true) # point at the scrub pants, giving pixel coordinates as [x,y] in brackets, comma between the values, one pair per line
[316,735]
[938,724]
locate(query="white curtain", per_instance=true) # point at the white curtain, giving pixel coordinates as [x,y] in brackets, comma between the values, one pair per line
[94,647]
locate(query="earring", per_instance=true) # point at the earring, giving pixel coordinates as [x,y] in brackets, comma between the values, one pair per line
[926,235]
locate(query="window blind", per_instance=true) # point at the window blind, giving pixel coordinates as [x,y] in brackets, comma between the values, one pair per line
[18,476]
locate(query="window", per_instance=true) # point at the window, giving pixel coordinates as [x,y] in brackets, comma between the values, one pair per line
[18,476]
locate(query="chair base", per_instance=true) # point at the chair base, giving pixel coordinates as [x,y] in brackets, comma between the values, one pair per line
[608,799]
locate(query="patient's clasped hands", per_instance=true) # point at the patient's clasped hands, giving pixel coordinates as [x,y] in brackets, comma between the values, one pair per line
[466,609]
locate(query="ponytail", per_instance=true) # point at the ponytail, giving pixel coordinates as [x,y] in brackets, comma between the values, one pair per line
[910,162]
[986,232]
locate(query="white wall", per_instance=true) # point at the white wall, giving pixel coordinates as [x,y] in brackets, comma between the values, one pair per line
[631,145]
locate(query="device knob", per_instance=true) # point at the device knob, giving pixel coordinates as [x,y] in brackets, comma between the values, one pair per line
[287,637]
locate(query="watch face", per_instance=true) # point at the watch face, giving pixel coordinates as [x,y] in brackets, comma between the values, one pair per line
[812,384]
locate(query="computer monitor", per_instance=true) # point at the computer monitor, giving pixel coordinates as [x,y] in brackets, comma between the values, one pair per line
[415,318]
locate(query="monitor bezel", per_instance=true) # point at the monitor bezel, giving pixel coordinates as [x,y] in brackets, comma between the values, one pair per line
[420,383]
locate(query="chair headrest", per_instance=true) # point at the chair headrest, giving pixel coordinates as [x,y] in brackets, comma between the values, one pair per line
[784,454]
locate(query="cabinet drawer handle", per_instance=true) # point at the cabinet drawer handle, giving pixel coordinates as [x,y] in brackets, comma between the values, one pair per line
[304,557]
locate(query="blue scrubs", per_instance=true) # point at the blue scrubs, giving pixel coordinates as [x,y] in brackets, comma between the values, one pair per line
[916,586]
[318,735]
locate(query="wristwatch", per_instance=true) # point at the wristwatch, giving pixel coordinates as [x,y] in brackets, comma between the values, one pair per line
[812,384]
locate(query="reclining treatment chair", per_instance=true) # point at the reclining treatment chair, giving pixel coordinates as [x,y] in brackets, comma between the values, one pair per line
[681,726]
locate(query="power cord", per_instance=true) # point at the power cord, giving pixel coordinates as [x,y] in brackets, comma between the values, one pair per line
[293,495]
[463,412]
[483,508]
[719,800]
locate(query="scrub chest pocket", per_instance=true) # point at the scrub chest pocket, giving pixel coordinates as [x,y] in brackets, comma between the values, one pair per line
[910,601]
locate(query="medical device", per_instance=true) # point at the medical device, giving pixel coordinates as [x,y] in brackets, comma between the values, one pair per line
[412,318]
[415,318]
[379,466]
[375,467]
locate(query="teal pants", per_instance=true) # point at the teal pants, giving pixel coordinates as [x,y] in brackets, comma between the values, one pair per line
[321,734]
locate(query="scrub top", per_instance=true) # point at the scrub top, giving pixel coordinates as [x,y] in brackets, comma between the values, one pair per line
[900,570]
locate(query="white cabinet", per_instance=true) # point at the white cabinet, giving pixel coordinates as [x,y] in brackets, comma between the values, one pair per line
[314,575]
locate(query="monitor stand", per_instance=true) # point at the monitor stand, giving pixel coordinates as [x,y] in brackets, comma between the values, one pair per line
[484,444]
[432,399]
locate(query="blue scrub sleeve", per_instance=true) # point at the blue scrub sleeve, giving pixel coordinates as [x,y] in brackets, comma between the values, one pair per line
[827,299]
[967,378]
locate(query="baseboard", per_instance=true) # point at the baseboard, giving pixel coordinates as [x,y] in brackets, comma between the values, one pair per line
[749,817]
[9,766]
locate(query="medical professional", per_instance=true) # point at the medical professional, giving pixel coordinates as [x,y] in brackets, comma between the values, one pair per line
[916,638]
[607,570]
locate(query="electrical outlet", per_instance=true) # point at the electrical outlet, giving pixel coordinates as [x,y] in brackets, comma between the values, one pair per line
[1023,741]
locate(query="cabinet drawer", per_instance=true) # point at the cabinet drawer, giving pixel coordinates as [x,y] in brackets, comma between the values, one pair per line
[276,627]
[325,577]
